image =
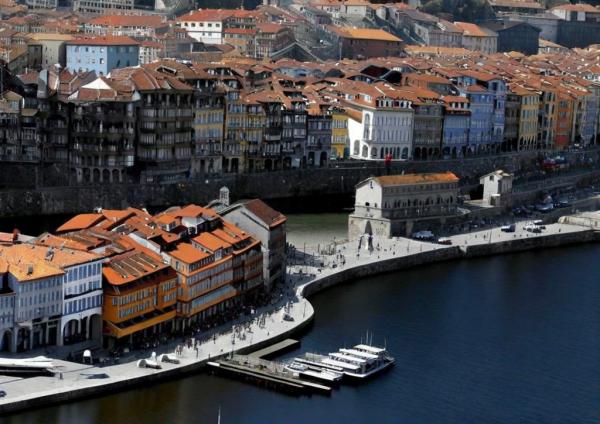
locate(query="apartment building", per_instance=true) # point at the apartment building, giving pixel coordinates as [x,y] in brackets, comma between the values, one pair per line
[140,296]
[268,225]
[102,54]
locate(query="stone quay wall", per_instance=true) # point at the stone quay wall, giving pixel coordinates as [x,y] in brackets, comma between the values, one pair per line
[20,199]
[447,254]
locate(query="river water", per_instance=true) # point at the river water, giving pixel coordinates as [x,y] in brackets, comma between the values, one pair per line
[513,338]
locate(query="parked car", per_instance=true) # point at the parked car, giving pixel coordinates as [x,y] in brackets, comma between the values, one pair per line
[508,228]
[2,393]
[544,207]
[539,223]
[444,240]
[532,228]
[423,235]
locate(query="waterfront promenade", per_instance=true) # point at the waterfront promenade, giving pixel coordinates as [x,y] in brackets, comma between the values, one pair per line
[267,325]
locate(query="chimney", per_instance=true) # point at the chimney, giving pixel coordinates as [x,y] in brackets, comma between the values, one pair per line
[15,235]
[29,269]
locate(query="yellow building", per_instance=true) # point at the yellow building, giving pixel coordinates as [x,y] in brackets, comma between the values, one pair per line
[255,121]
[234,134]
[339,133]
[208,125]
[548,111]
[528,118]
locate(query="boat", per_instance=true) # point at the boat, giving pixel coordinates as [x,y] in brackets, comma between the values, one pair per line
[169,358]
[360,362]
[148,363]
[40,365]
[296,367]
[314,373]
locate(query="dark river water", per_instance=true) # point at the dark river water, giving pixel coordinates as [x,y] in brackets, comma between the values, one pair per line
[513,338]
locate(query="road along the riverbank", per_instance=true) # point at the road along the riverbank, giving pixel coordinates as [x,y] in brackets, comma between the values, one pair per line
[71,383]
[398,254]
[391,255]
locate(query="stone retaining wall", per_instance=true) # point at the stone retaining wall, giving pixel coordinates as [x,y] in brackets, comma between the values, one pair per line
[450,253]
[339,179]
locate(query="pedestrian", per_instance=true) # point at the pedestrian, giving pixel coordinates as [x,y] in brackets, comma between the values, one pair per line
[197,351]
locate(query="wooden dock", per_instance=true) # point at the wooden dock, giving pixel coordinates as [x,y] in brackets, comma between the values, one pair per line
[265,373]
[278,348]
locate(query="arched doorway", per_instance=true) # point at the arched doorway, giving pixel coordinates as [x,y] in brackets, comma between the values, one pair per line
[5,341]
[23,342]
[71,332]
[368,229]
[323,159]
[95,331]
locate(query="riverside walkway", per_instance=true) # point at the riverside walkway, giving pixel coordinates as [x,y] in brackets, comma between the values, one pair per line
[267,325]
[348,257]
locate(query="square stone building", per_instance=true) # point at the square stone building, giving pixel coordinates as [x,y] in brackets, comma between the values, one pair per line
[395,205]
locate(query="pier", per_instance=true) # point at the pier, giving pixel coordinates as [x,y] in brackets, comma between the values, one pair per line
[393,255]
[266,373]
[276,349]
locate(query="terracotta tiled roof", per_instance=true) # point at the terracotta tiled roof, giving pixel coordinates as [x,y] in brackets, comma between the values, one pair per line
[211,242]
[268,215]
[153,21]
[133,265]
[242,31]
[389,180]
[187,253]
[206,15]
[474,30]
[365,34]
[269,28]
[26,266]
[579,7]
[80,222]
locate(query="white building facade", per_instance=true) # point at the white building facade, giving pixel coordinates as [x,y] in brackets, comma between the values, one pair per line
[386,127]
[82,308]
[205,26]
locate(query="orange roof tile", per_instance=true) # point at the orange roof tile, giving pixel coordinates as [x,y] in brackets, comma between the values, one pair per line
[80,222]
[365,34]
[129,20]
[211,242]
[133,265]
[187,253]
[388,180]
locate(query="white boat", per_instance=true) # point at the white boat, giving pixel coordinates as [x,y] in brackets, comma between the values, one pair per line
[36,365]
[359,362]
[296,367]
[329,377]
[148,363]
[314,373]
[169,358]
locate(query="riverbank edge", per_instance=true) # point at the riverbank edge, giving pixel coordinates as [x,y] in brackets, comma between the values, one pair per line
[442,254]
[450,253]
[159,376]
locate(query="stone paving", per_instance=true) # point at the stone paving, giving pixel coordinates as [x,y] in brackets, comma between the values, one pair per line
[348,255]
[267,323]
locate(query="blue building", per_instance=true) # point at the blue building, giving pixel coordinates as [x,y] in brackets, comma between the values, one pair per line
[102,54]
[481,104]
[455,131]
[496,87]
